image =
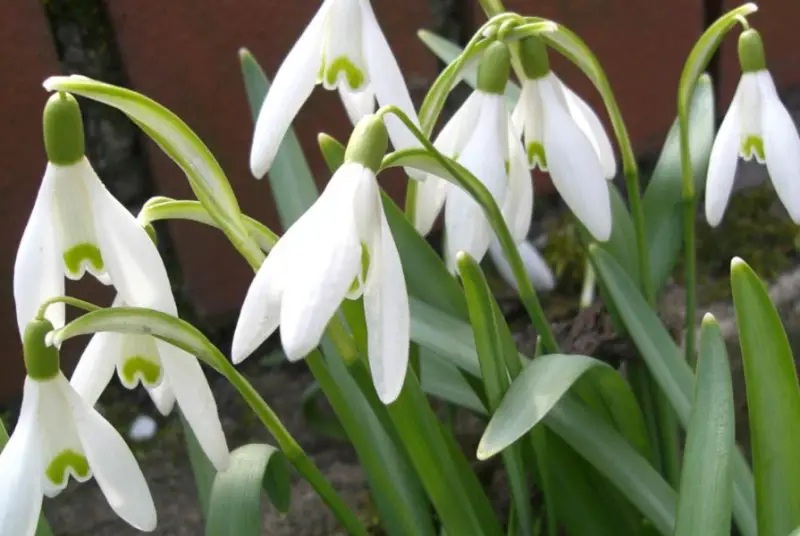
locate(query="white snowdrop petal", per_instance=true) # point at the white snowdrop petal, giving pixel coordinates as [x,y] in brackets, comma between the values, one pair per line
[750,110]
[131,258]
[590,124]
[387,315]
[20,470]
[385,78]
[290,88]
[518,205]
[196,401]
[343,52]
[431,194]
[357,104]
[326,262]
[574,166]
[536,267]
[114,466]
[722,165]
[38,272]
[459,128]
[781,147]
[163,397]
[96,365]
[528,117]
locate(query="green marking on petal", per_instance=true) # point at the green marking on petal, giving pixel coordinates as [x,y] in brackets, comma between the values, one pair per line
[753,146]
[536,155]
[507,166]
[137,366]
[58,470]
[355,76]
[364,269]
[76,255]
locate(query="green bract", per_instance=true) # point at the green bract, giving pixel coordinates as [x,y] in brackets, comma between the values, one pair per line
[63,129]
[41,359]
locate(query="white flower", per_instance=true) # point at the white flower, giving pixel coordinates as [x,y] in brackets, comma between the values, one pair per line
[482,138]
[536,267]
[168,373]
[758,125]
[59,435]
[343,47]
[319,262]
[564,137]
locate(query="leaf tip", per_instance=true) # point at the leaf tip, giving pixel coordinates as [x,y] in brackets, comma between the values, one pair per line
[244,54]
[709,320]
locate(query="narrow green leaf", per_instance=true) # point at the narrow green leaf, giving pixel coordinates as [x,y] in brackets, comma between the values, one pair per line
[202,468]
[448,336]
[322,423]
[662,200]
[542,383]
[443,380]
[613,457]
[179,142]
[290,178]
[235,501]
[491,350]
[773,402]
[704,506]
[332,151]
[673,375]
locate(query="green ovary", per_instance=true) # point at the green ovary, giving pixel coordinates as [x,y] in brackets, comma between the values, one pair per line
[58,470]
[355,76]
[140,367]
[536,155]
[77,254]
[753,146]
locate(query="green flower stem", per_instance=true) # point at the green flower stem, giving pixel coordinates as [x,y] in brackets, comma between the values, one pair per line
[290,448]
[492,7]
[75,302]
[698,59]
[484,198]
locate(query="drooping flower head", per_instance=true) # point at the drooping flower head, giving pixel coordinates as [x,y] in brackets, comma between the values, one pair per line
[342,47]
[76,226]
[564,137]
[59,435]
[481,137]
[757,125]
[341,248]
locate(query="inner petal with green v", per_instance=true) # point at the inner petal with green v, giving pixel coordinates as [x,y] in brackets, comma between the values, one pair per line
[753,146]
[65,463]
[355,77]
[140,361]
[536,155]
[83,255]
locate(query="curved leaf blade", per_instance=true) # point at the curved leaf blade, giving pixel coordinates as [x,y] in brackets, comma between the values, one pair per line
[235,501]
[706,491]
[773,400]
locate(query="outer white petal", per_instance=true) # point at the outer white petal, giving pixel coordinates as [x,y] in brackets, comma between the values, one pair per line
[114,466]
[387,315]
[431,194]
[591,125]
[194,396]
[574,166]
[458,130]
[518,205]
[781,147]
[260,313]
[466,227]
[722,163]
[163,397]
[131,258]
[386,79]
[536,267]
[358,104]
[20,470]
[325,267]
[37,269]
[96,366]
[291,87]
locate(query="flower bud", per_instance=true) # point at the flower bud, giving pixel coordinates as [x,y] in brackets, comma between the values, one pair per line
[41,360]
[751,51]
[63,129]
[533,56]
[494,68]
[368,143]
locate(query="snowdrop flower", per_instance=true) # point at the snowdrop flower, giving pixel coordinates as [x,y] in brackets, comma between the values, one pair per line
[340,248]
[564,137]
[342,47]
[59,435]
[539,273]
[757,125]
[481,137]
[77,225]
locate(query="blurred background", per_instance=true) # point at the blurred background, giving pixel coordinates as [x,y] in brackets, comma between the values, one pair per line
[182,53]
